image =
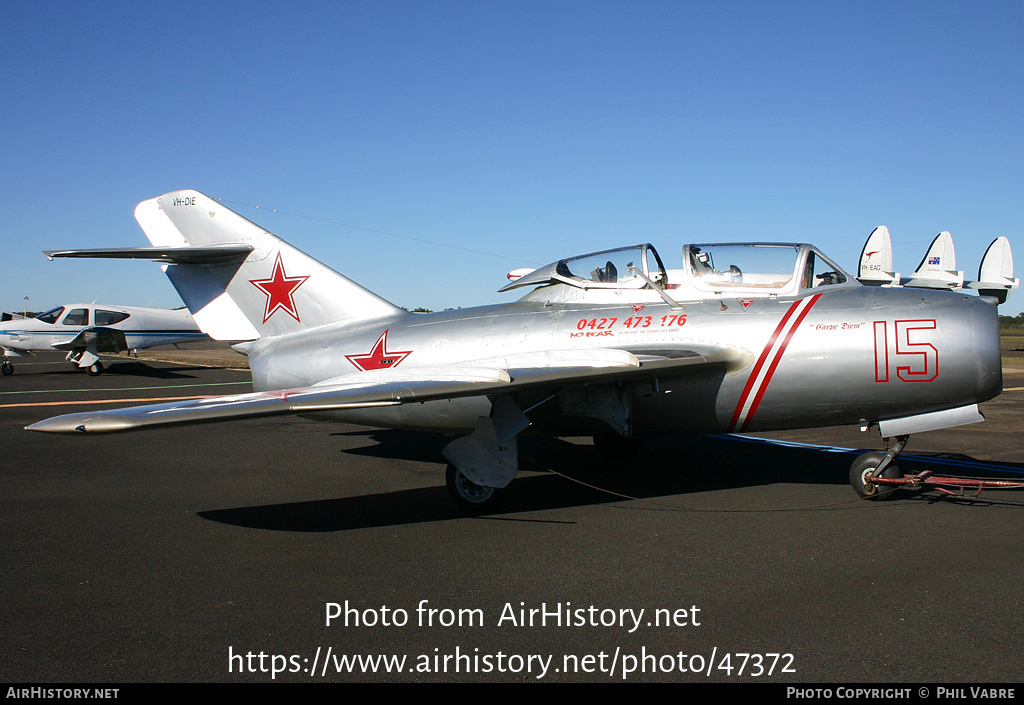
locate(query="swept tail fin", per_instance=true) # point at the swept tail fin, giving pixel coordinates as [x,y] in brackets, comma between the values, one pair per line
[239,281]
[275,290]
[938,266]
[995,275]
[875,267]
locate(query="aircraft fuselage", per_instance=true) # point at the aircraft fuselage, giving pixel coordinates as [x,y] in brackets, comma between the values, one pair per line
[839,357]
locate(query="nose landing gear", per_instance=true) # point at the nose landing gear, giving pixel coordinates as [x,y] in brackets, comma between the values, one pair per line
[865,472]
[870,472]
[875,476]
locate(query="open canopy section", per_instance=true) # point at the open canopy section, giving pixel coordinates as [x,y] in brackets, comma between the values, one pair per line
[608,269]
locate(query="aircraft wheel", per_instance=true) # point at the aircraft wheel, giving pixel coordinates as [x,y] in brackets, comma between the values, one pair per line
[467,494]
[7,368]
[863,466]
[95,368]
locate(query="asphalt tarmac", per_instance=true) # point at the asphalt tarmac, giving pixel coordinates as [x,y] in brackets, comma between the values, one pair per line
[293,551]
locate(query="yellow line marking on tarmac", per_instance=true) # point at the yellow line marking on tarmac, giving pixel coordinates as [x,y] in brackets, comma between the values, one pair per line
[106,401]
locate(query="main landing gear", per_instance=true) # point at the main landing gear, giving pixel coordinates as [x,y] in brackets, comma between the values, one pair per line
[485,461]
[94,369]
[7,368]
[87,359]
[875,476]
[471,497]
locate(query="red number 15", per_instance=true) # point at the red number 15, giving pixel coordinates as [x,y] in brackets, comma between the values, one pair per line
[915,359]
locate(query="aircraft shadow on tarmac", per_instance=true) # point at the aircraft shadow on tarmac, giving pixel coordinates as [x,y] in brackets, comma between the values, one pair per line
[661,471]
[133,368]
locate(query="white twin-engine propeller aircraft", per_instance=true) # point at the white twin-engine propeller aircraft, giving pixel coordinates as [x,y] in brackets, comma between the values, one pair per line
[737,337]
[85,330]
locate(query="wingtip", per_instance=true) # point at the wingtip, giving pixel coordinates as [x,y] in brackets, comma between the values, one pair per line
[83,423]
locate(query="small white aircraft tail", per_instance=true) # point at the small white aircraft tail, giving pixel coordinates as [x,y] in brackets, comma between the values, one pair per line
[995,275]
[273,290]
[875,266]
[938,267]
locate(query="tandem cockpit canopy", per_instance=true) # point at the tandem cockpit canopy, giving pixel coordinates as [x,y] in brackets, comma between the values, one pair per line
[708,270]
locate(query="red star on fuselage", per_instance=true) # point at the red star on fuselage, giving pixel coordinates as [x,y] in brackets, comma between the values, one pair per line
[379,358]
[279,290]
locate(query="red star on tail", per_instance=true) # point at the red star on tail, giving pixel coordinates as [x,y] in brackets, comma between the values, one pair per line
[279,290]
[379,358]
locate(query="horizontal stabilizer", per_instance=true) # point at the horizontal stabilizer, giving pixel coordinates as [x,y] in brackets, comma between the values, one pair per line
[217,254]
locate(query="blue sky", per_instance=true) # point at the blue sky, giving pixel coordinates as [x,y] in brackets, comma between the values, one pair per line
[525,130]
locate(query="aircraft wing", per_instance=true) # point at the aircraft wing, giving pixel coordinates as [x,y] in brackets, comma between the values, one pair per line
[98,338]
[413,385]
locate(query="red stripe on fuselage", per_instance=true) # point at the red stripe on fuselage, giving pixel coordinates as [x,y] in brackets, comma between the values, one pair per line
[766,353]
[776,360]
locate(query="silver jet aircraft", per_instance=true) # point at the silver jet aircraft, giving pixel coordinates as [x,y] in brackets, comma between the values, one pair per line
[85,330]
[732,338]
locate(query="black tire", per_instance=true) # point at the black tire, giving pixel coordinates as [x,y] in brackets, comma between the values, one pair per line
[95,368]
[470,497]
[7,368]
[863,466]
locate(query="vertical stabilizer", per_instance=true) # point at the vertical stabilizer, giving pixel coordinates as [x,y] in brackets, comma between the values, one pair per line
[995,275]
[875,266]
[277,289]
[938,268]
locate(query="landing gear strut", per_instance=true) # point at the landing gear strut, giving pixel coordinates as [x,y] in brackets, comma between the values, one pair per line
[487,459]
